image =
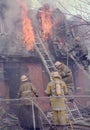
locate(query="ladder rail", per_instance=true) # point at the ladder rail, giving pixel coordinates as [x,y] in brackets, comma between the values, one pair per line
[42,60]
[77,109]
[69,112]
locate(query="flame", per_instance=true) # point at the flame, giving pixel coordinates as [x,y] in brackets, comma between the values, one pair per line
[46,22]
[28,33]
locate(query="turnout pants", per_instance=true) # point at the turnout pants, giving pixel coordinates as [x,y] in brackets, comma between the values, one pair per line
[59,117]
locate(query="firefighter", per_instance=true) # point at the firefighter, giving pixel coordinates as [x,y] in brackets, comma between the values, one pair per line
[67,76]
[56,89]
[25,113]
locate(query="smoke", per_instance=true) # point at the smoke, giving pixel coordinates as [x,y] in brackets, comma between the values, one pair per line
[3,9]
[9,15]
[33,4]
[10,23]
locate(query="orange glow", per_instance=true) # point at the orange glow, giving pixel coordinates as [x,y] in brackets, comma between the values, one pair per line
[28,33]
[46,22]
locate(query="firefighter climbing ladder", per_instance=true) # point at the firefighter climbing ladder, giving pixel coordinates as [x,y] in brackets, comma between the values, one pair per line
[49,65]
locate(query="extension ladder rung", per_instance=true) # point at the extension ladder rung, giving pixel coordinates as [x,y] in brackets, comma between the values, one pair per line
[50,66]
[74,110]
[48,60]
[77,119]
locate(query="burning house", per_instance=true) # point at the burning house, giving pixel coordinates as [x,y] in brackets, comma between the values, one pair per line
[46,27]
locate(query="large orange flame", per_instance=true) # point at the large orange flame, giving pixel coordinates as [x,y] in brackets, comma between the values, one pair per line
[28,33]
[46,22]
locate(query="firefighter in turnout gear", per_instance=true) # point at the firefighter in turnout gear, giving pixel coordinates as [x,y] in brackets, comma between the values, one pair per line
[66,74]
[25,114]
[56,89]
[26,90]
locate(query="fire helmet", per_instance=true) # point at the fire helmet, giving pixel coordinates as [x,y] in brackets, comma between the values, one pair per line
[55,75]
[24,78]
[57,64]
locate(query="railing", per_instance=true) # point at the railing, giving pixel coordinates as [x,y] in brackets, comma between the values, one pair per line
[37,112]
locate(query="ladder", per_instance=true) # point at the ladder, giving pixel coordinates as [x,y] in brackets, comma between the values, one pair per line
[45,57]
[49,65]
[73,111]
